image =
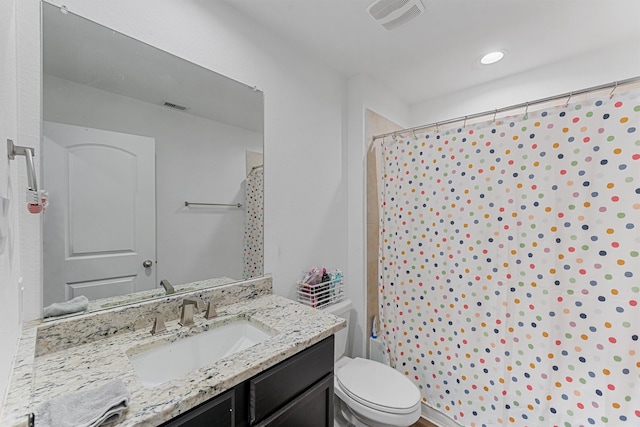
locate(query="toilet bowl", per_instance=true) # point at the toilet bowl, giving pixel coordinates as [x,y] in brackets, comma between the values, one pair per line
[375,395]
[369,393]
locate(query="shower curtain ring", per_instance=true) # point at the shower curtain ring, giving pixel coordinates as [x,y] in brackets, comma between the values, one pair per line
[613,90]
[568,99]
[464,124]
[437,128]
[495,112]
[526,112]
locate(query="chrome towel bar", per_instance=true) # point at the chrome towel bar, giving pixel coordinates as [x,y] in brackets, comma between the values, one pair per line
[237,205]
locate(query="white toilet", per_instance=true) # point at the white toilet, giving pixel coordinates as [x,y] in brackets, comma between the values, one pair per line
[369,393]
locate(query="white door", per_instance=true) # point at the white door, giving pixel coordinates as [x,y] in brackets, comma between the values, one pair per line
[99,227]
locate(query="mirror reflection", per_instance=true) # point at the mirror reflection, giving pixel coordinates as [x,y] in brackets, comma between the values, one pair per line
[152,164]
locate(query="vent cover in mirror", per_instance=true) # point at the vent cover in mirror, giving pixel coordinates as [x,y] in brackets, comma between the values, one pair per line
[394,13]
[174,106]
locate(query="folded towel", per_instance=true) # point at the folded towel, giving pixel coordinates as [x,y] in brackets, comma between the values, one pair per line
[95,407]
[75,305]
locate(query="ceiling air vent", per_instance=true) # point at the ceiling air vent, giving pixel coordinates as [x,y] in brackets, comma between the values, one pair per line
[174,106]
[394,13]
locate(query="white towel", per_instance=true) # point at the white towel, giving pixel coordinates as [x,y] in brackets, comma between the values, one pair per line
[75,305]
[91,408]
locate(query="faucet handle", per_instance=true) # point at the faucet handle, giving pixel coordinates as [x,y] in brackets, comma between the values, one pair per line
[211,311]
[196,302]
[186,315]
[158,325]
[139,318]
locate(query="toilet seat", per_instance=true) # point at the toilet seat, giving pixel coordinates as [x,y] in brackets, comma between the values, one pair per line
[378,387]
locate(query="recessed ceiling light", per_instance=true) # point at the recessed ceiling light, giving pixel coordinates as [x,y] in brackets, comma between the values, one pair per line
[492,57]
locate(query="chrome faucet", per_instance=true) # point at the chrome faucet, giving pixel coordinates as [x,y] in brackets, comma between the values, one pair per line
[167,286]
[188,309]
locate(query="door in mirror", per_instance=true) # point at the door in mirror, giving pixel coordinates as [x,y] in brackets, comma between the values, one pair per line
[101,213]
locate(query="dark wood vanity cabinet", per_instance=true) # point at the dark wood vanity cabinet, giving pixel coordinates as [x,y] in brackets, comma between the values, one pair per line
[296,392]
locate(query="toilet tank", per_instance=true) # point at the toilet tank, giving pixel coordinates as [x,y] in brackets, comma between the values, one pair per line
[343,310]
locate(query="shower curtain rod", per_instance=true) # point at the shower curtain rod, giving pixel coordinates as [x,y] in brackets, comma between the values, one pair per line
[614,85]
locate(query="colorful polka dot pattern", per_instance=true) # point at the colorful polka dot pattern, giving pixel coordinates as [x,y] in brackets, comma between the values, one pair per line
[253,233]
[509,267]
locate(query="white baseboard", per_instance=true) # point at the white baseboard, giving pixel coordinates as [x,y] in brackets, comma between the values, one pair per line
[436,417]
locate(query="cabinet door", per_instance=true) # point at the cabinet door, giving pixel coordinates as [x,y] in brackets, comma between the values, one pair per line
[217,412]
[313,408]
[276,387]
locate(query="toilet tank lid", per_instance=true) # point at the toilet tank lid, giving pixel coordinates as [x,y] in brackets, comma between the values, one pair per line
[378,385]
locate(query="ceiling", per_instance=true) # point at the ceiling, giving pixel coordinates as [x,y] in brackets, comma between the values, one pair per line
[438,52]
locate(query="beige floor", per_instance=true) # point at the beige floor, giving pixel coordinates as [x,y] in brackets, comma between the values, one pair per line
[423,423]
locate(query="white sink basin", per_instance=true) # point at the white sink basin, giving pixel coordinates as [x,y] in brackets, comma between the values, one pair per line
[169,361]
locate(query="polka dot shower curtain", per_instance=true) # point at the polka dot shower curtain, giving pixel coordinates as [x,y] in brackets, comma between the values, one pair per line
[509,268]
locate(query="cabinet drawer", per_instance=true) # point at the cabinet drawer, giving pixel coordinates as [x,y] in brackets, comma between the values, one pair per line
[271,390]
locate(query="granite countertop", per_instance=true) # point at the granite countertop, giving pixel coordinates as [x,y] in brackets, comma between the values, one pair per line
[40,375]
[101,304]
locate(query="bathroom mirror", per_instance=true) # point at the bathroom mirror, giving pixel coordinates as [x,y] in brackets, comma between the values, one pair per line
[152,164]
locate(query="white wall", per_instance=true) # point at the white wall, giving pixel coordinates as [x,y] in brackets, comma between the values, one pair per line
[363,93]
[28,90]
[197,160]
[9,258]
[605,65]
[19,121]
